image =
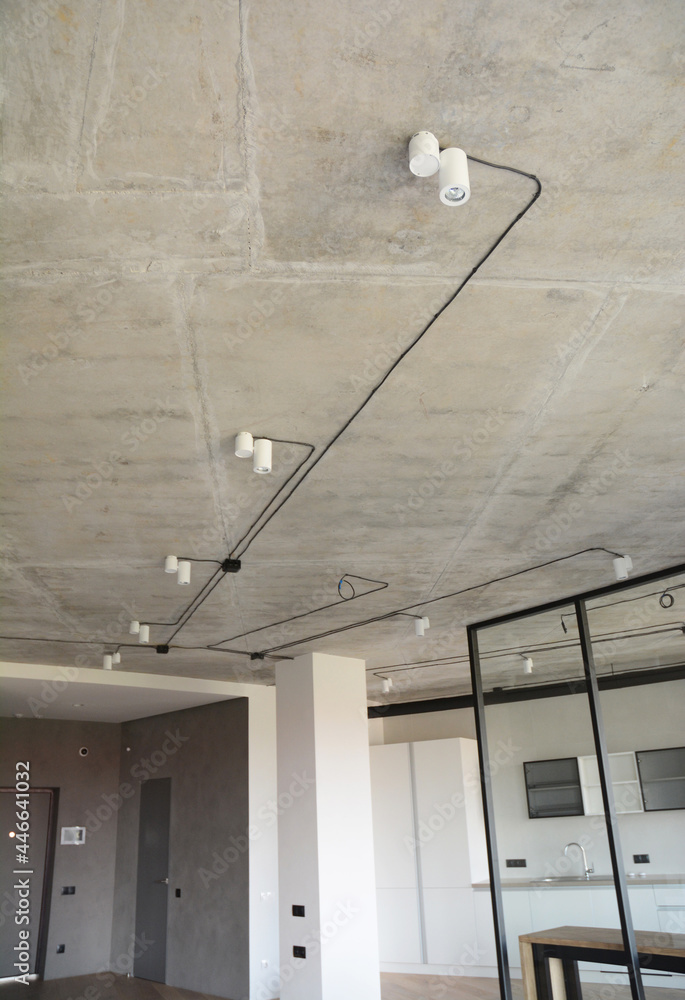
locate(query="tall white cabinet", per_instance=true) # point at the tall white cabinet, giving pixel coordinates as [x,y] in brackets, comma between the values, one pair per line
[430,847]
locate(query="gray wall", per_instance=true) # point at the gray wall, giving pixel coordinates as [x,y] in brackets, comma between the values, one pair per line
[208,927]
[82,922]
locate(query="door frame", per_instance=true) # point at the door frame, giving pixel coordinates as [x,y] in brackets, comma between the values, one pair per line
[49,864]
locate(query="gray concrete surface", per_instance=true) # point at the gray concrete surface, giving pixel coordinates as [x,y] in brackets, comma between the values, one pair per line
[209,211]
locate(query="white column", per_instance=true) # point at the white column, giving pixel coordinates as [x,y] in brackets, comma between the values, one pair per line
[325,832]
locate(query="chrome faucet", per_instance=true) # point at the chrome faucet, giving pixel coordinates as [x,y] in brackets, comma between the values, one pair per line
[574,843]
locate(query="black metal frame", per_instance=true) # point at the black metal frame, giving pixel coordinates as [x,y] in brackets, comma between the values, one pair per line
[590,684]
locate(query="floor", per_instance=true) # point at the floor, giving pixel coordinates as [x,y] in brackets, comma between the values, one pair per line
[394,986]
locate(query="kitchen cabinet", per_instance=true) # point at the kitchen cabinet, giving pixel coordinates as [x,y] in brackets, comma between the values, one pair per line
[429,844]
[624,781]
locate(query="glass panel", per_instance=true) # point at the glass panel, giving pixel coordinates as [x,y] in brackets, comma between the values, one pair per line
[639,648]
[545,783]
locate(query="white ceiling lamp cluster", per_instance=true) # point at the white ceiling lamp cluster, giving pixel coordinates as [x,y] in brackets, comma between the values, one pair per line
[258,449]
[426,158]
[109,659]
[172,564]
[142,631]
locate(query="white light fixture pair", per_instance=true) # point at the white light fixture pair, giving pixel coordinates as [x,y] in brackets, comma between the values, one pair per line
[142,631]
[421,624]
[109,658]
[426,159]
[258,449]
[172,564]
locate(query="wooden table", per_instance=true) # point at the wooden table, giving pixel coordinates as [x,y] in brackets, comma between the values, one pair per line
[549,959]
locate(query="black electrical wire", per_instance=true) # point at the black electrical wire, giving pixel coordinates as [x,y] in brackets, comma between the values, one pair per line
[398,360]
[183,613]
[628,600]
[237,551]
[443,597]
[304,614]
[240,554]
[536,647]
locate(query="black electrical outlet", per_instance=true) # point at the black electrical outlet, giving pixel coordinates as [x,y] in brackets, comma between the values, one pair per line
[516,862]
[68,890]
[299,951]
[178,894]
[61,949]
[298,911]
[641,859]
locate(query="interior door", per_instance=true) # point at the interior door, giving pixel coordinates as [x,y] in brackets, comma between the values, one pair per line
[153,880]
[27,887]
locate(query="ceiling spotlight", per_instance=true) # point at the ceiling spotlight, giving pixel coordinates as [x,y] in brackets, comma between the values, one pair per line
[262,456]
[527,664]
[171,564]
[144,633]
[183,572]
[134,628]
[244,445]
[116,657]
[424,154]
[454,177]
[107,661]
[426,622]
[419,626]
[386,685]
[622,567]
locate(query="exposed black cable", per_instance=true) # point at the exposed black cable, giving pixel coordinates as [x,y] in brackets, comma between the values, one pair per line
[443,597]
[213,587]
[304,614]
[183,613]
[237,552]
[398,360]
[536,647]
[627,600]
[242,552]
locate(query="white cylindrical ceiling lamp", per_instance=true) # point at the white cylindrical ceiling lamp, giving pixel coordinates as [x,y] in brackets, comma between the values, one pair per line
[527,665]
[262,456]
[134,628]
[424,154]
[144,633]
[171,564]
[107,661]
[622,567]
[244,445]
[426,622]
[183,572]
[419,627]
[454,177]
[116,658]
[386,685]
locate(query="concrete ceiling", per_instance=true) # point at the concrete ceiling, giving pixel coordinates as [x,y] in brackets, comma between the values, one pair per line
[210,227]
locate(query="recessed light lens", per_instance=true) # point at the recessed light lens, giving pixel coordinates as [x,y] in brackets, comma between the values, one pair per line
[455,194]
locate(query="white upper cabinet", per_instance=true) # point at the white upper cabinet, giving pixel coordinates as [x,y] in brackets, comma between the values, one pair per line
[625,782]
